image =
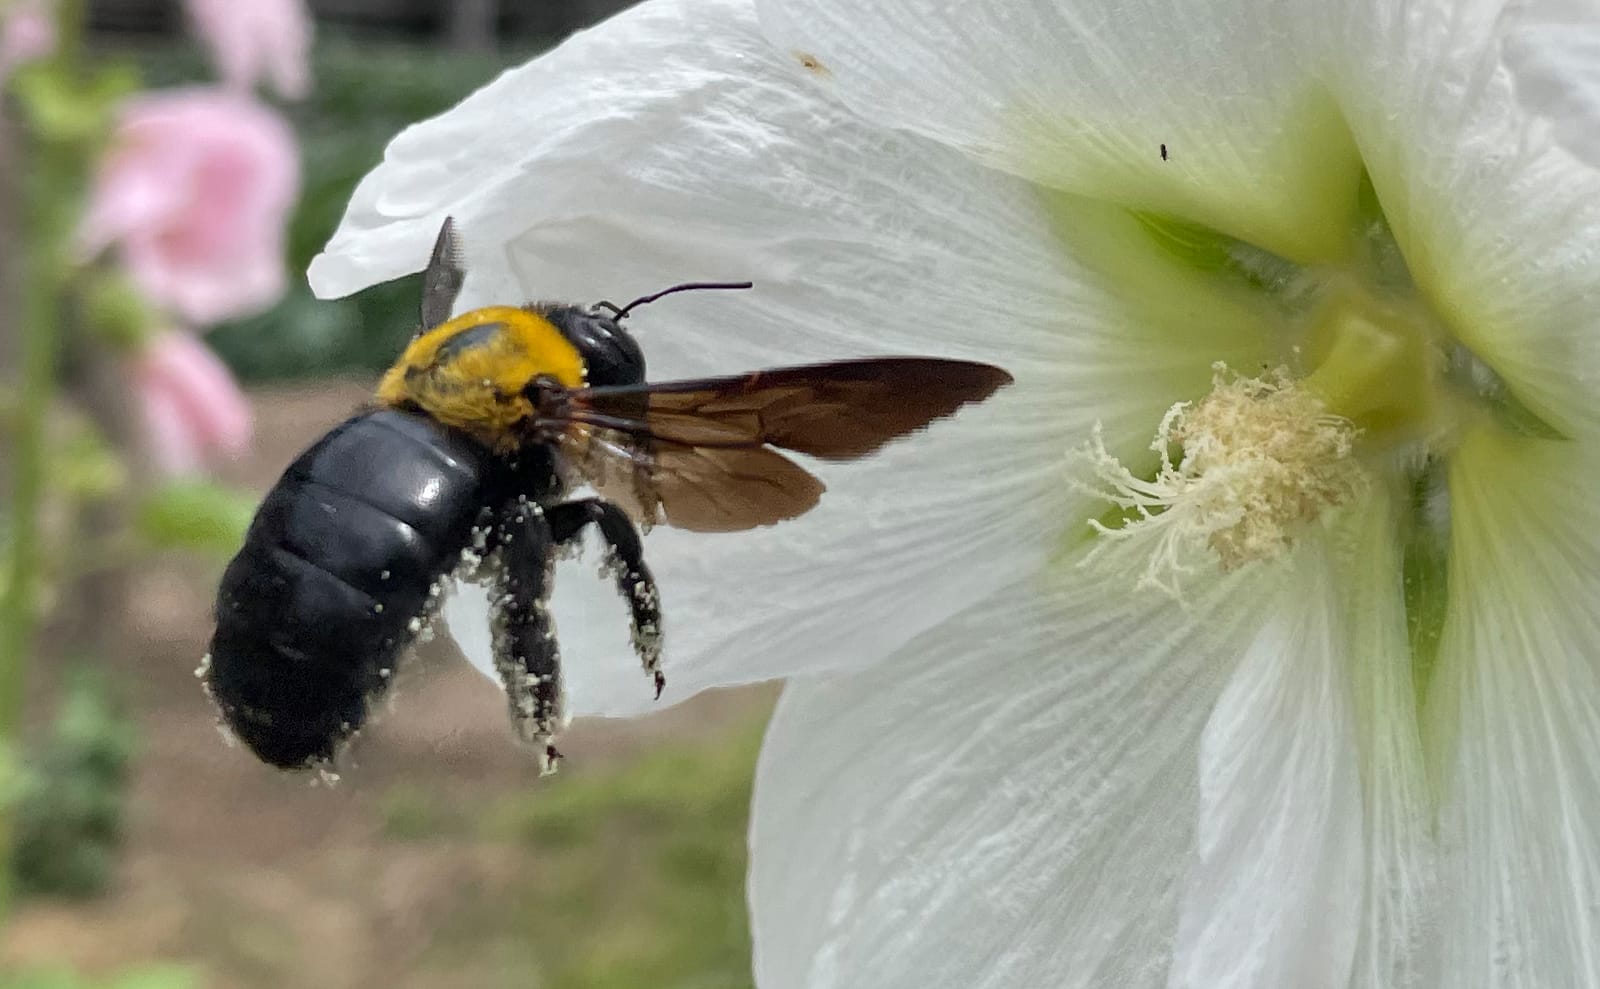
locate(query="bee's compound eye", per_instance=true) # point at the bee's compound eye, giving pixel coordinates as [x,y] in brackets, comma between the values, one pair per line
[611,356]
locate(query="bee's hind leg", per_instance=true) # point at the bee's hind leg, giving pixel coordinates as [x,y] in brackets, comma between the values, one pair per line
[521,562]
[625,559]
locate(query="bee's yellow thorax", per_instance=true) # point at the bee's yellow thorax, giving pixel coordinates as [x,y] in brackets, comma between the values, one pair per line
[471,372]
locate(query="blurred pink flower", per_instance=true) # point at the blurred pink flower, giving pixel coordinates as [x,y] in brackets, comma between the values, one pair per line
[196,193]
[191,407]
[252,40]
[27,32]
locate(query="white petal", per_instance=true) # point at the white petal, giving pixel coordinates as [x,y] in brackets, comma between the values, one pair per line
[1323,869]
[1010,801]
[1499,228]
[1552,49]
[1082,94]
[717,162]
[1515,718]
[1276,895]
[1399,912]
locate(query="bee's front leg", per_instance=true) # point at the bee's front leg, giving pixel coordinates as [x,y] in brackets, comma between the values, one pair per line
[520,564]
[625,559]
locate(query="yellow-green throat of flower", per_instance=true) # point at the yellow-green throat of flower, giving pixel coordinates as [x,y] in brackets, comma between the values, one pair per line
[1249,467]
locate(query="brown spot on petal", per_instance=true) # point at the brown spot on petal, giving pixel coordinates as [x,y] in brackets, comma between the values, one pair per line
[811,63]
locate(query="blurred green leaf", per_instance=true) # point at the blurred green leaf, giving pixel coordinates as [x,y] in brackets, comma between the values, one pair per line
[15,777]
[198,516]
[156,977]
[69,815]
[41,979]
[83,465]
[67,107]
[152,977]
[115,309]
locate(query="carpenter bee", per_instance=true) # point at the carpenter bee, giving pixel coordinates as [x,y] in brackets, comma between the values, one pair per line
[463,464]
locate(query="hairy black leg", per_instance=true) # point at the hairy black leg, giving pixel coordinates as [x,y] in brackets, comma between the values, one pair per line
[526,656]
[625,559]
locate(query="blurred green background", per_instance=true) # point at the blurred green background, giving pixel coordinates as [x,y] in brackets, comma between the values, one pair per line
[152,856]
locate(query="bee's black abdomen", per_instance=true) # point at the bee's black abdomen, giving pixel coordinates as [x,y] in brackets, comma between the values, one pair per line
[339,562]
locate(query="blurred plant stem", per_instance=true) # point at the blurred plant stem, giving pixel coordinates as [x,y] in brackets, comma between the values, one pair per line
[59,130]
[98,385]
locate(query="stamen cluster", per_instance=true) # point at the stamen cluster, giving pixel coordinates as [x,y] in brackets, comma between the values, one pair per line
[1260,459]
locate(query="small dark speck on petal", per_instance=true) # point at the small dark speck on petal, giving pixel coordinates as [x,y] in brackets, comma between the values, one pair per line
[811,63]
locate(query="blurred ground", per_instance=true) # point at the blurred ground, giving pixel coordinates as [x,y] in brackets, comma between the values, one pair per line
[440,859]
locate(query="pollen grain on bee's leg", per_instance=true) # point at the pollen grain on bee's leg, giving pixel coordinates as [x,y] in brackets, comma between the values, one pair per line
[623,563]
[1260,459]
[524,640]
[644,607]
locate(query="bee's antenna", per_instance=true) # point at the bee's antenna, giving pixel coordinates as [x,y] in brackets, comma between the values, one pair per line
[619,312]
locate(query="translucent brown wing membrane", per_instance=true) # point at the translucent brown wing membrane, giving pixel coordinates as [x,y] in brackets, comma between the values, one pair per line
[702,489]
[837,411]
[615,464]
[723,489]
[699,454]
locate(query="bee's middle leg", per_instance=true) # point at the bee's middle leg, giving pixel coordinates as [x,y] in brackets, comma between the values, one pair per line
[626,559]
[525,651]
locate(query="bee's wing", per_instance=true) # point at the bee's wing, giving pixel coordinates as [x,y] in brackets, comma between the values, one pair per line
[703,489]
[700,454]
[442,281]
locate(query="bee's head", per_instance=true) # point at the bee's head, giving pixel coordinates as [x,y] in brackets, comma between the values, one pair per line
[611,356]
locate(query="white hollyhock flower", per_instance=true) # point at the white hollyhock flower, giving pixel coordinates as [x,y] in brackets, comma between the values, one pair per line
[1302,316]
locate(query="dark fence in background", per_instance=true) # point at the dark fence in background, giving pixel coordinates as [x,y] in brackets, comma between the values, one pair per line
[463,23]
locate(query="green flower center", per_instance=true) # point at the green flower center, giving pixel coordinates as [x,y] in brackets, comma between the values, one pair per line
[1336,376]
[1377,364]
